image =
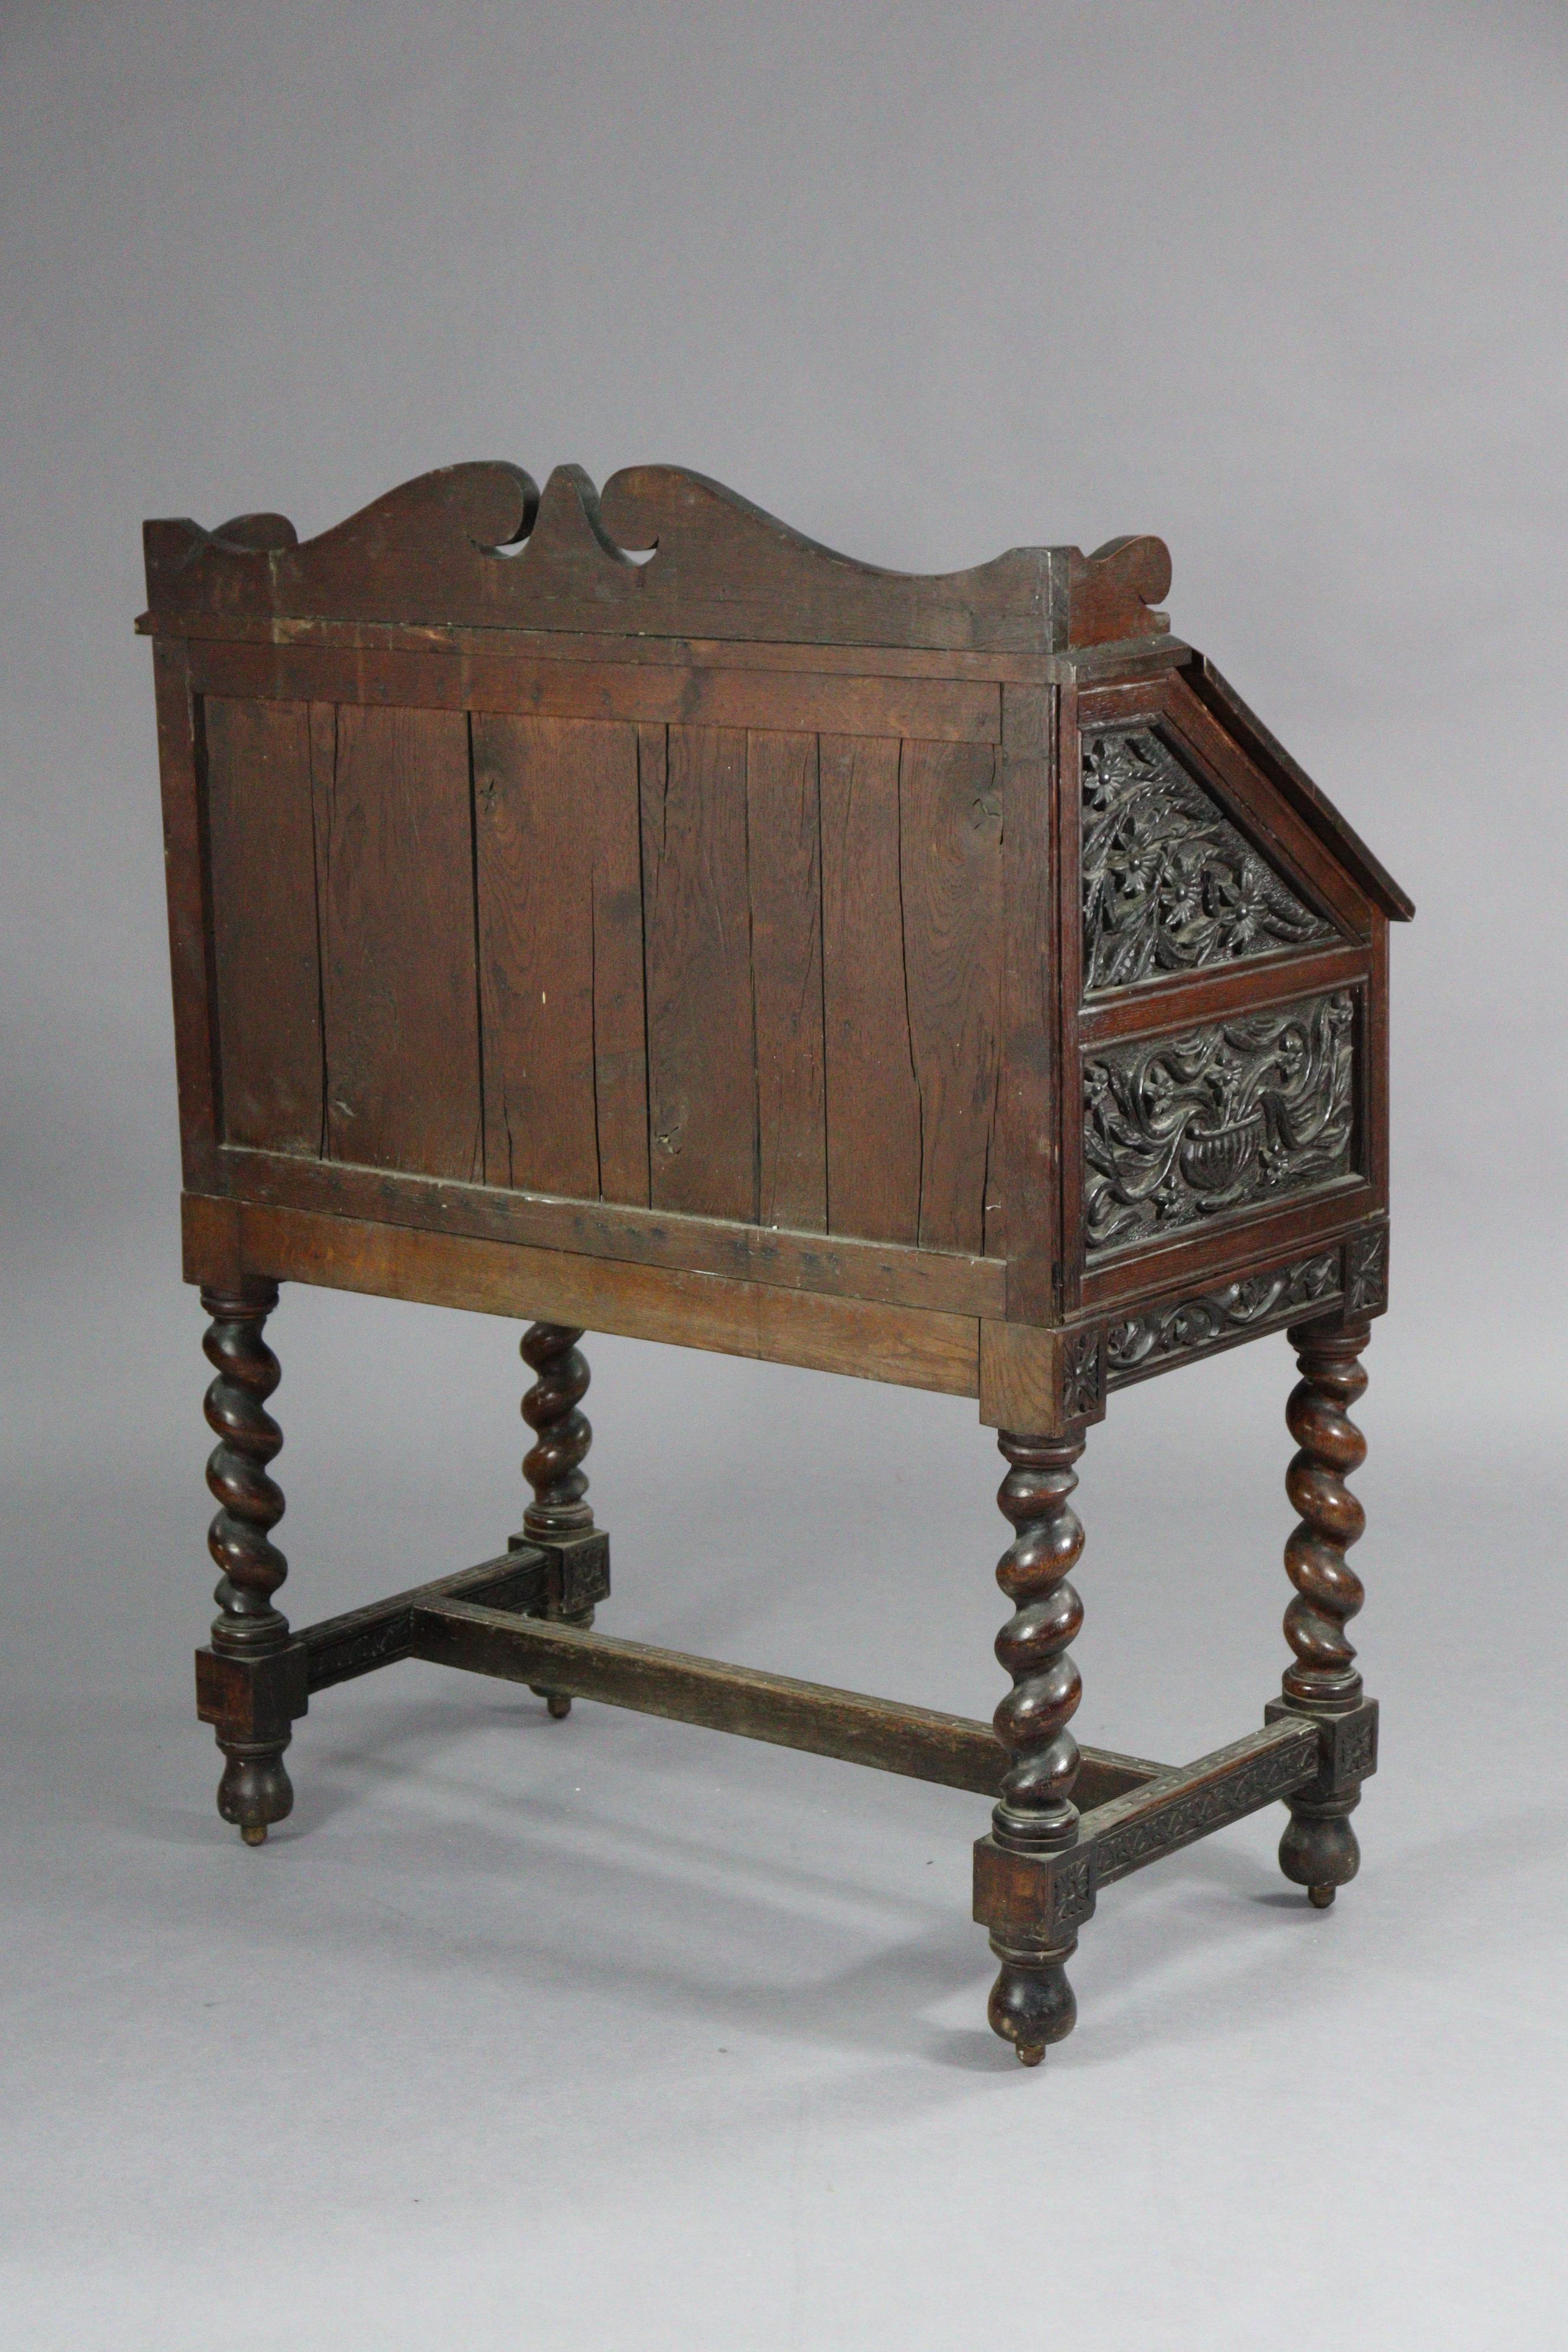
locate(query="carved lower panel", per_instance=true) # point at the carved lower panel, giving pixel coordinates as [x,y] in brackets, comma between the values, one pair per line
[1237,1115]
[1162,1335]
[1168,883]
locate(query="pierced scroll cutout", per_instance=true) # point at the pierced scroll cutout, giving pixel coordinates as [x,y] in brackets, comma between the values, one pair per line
[660,552]
[1168,882]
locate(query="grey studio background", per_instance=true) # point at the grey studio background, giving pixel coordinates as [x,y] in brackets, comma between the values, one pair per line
[613,2033]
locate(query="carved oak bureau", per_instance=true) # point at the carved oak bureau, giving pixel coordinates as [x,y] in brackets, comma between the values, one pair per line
[620,912]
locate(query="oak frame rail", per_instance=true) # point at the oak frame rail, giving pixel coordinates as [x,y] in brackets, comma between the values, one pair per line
[920,1743]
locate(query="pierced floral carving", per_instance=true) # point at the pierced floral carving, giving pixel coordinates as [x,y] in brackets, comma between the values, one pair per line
[1230,1116]
[1145,1341]
[1168,882]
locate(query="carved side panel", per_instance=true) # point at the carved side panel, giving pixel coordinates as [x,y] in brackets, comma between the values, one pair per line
[1168,883]
[1237,1115]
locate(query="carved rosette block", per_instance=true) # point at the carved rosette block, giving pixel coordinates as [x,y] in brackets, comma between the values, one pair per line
[255,1789]
[560,1510]
[1032,2002]
[1319,1850]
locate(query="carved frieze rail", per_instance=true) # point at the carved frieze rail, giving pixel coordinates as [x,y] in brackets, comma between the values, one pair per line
[1237,1113]
[1160,1335]
[1168,882]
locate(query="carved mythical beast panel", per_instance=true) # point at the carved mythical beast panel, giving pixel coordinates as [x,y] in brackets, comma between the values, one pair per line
[1230,1116]
[1168,882]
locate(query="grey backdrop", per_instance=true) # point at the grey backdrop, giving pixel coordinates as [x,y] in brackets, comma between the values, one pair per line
[611,2033]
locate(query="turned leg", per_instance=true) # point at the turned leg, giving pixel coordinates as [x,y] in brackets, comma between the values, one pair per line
[1319,1850]
[1032,2002]
[560,1516]
[249,1670]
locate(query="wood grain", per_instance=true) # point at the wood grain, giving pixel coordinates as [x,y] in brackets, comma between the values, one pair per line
[785,866]
[950,871]
[449,1628]
[873,1106]
[281,632]
[702,1083]
[912,1346]
[888,1272]
[186,882]
[395,866]
[1028,1130]
[620,1010]
[261,847]
[534,805]
[534,682]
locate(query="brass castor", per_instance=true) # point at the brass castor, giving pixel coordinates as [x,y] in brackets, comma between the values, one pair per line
[1319,1897]
[253,1833]
[559,1705]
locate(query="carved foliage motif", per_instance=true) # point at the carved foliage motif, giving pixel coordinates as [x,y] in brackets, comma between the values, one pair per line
[1366,1272]
[1195,1324]
[1358,1750]
[1083,1376]
[1073,1889]
[1168,882]
[1228,1117]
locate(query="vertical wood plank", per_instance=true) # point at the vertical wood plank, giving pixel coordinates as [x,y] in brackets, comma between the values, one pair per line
[950,864]
[620,1017]
[262,859]
[1068,836]
[534,807]
[1373,1145]
[187,882]
[702,1106]
[395,886]
[787,947]
[873,1109]
[1029,1120]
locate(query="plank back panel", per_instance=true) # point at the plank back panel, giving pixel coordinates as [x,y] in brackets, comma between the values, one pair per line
[262,867]
[394,862]
[747,973]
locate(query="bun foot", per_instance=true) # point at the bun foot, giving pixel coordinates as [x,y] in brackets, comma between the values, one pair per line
[1319,1850]
[1031,2002]
[255,1791]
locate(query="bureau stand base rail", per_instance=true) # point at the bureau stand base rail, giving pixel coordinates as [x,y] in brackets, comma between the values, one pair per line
[490,1620]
